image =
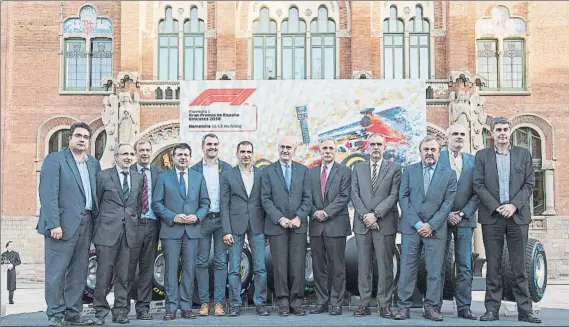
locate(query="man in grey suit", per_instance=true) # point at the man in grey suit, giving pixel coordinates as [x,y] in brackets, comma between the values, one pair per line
[143,253]
[242,215]
[116,229]
[504,179]
[329,226]
[426,197]
[212,168]
[181,202]
[67,194]
[461,221]
[285,193]
[375,187]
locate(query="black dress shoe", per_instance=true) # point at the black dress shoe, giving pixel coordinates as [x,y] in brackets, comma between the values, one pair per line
[188,314]
[121,318]
[169,315]
[284,312]
[11,302]
[336,311]
[385,312]
[529,317]
[319,308]
[143,315]
[467,314]
[402,314]
[489,316]
[433,315]
[77,320]
[362,311]
[297,311]
[234,311]
[262,310]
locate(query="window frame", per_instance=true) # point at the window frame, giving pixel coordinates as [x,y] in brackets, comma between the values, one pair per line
[93,40]
[524,68]
[412,22]
[294,36]
[264,36]
[498,67]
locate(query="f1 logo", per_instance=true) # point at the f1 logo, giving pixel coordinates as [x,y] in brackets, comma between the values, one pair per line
[235,97]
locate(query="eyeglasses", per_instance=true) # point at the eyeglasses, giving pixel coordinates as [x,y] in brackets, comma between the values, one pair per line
[127,154]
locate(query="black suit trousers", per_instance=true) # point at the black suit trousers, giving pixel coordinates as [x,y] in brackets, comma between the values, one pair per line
[142,256]
[329,266]
[516,237]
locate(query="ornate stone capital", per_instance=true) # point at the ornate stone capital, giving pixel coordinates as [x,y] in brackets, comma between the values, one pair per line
[439,32]
[357,74]
[344,33]
[230,74]
[211,33]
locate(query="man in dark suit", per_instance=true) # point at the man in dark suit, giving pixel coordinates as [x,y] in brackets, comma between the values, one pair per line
[212,168]
[285,193]
[461,221]
[375,187]
[242,215]
[181,202]
[426,197]
[144,251]
[504,180]
[116,229]
[329,226]
[68,200]
[11,258]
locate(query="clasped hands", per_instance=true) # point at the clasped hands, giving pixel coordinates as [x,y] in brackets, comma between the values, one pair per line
[185,219]
[507,210]
[370,220]
[453,218]
[425,230]
[290,223]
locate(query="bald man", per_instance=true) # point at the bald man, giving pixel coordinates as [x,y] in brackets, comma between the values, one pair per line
[286,198]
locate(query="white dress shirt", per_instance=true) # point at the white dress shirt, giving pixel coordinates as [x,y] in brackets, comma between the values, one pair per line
[377,168]
[211,175]
[121,176]
[186,178]
[248,180]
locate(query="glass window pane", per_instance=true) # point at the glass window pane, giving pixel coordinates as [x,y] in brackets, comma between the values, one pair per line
[329,63]
[163,64]
[189,64]
[287,64]
[299,41]
[424,63]
[101,61]
[299,63]
[258,41]
[388,63]
[414,62]
[271,64]
[293,18]
[287,41]
[302,28]
[173,68]
[316,63]
[398,40]
[424,39]
[189,41]
[258,63]
[199,64]
[316,40]
[174,41]
[388,40]
[270,41]
[398,69]
[75,64]
[284,27]
[329,40]
[198,41]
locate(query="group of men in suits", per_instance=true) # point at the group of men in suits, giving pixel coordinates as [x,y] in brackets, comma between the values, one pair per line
[131,206]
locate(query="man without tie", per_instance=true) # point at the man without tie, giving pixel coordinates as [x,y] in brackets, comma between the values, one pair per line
[242,215]
[375,187]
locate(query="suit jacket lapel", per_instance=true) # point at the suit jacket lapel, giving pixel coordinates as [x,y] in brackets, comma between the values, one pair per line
[237,172]
[436,176]
[279,170]
[380,174]
[92,180]
[117,182]
[419,177]
[177,182]
[75,170]
[466,163]
[257,180]
[333,172]
[367,179]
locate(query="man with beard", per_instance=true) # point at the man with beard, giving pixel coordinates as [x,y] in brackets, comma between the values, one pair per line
[375,187]
[461,221]
[504,180]
[181,202]
[242,215]
[212,168]
[144,252]
[426,197]
[116,233]
[68,200]
[285,193]
[329,226]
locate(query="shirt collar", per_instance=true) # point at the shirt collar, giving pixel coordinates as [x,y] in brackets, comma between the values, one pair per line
[120,170]
[208,165]
[378,163]
[180,171]
[503,154]
[251,170]
[328,166]
[433,166]
[283,164]
[140,167]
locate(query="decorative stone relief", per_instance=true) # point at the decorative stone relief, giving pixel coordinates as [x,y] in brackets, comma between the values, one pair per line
[163,133]
[279,13]
[439,32]
[230,74]
[407,11]
[357,74]
[538,223]
[500,24]
[344,33]
[308,12]
[376,33]
[211,33]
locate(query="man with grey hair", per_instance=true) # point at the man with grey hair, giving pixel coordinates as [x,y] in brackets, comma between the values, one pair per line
[426,197]
[504,180]
[329,226]
[375,187]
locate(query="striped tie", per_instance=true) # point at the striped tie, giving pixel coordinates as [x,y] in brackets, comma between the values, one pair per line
[374,177]
[125,188]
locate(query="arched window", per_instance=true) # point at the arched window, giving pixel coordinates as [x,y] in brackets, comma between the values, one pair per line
[165,159]
[393,47]
[293,43]
[323,46]
[59,140]
[194,30]
[487,138]
[528,138]
[419,46]
[168,29]
[100,144]
[264,47]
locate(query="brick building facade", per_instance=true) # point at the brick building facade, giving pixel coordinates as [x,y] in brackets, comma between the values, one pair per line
[56,54]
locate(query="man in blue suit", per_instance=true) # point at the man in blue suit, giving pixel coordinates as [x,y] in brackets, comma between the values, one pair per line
[426,197]
[68,201]
[461,221]
[181,202]
[212,168]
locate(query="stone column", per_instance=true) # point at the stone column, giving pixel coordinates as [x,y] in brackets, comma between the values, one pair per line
[549,194]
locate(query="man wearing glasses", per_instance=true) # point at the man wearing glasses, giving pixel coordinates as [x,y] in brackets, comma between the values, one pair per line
[116,229]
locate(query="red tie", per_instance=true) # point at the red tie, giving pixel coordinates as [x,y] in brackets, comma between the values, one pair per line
[323,180]
[144,191]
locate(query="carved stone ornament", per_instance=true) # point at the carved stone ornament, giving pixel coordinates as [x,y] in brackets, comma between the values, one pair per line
[439,32]
[308,13]
[344,33]
[230,74]
[279,13]
[357,74]
[211,33]
[163,133]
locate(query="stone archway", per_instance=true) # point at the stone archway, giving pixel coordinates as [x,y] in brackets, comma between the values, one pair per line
[162,136]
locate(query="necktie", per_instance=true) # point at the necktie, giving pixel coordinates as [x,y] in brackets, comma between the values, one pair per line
[125,188]
[323,180]
[144,190]
[287,176]
[374,176]
[427,178]
[183,185]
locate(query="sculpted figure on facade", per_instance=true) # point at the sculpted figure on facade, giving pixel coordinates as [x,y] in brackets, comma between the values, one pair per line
[459,108]
[478,122]
[129,116]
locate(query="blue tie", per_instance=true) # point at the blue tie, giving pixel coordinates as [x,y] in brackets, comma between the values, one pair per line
[183,185]
[287,176]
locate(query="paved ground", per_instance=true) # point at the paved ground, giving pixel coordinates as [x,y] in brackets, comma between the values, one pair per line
[553,309]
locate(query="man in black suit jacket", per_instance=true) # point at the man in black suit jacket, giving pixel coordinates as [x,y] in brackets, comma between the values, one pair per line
[144,252]
[504,180]
[242,215]
[329,226]
[116,229]
[285,193]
